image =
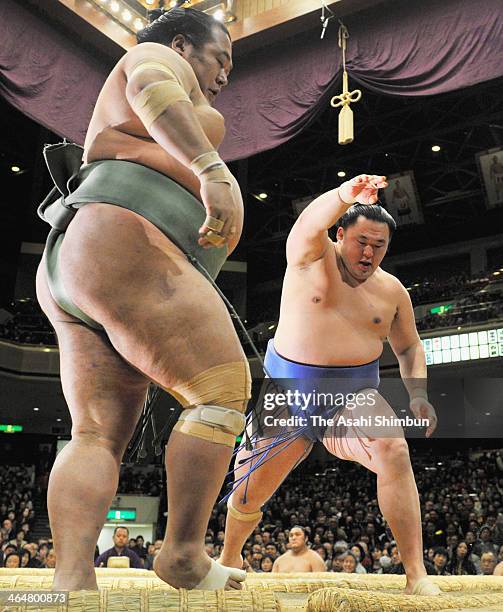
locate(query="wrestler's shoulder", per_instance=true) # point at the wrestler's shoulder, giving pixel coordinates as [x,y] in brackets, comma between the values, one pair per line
[390,282]
[154,51]
[312,554]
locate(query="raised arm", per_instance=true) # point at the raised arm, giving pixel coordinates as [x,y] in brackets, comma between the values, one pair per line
[308,239]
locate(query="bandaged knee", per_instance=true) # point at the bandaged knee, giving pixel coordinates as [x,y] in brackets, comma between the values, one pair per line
[247,517]
[212,423]
[156,97]
[215,402]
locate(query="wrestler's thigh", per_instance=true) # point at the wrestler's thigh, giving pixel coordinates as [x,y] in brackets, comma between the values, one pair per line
[161,314]
[104,394]
[367,441]
[270,468]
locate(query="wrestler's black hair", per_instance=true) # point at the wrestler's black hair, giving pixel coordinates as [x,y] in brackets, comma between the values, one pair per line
[306,536]
[372,212]
[196,26]
[121,527]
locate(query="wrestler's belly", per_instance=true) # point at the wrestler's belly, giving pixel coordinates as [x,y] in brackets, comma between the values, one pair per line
[114,144]
[326,342]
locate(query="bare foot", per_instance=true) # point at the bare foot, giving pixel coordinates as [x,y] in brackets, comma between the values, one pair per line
[422,586]
[74,581]
[195,571]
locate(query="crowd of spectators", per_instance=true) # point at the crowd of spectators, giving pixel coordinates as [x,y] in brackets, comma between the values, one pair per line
[462,513]
[433,288]
[477,308]
[17,517]
[461,503]
[27,324]
[475,302]
[140,481]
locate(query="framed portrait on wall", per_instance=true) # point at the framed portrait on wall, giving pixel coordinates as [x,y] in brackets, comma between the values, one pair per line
[401,199]
[491,171]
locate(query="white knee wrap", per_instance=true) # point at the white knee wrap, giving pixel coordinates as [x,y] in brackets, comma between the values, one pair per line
[212,423]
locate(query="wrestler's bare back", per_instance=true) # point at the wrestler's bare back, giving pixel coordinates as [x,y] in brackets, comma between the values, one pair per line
[326,320]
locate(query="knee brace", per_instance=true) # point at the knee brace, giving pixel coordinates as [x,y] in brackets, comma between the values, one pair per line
[218,398]
[212,423]
[247,517]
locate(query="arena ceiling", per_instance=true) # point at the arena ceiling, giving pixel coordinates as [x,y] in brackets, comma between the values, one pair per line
[392,135]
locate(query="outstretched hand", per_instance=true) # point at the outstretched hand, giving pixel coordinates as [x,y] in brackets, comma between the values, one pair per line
[362,189]
[422,409]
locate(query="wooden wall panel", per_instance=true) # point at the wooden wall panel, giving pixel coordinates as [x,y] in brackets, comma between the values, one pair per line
[250,8]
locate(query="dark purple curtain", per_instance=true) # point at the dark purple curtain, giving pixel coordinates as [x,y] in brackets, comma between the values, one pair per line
[45,75]
[403,48]
[398,48]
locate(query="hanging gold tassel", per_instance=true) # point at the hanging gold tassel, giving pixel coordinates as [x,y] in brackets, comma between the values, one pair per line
[346,126]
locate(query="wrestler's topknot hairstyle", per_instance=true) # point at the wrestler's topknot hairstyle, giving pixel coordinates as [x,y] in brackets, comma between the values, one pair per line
[373,212]
[196,26]
[303,529]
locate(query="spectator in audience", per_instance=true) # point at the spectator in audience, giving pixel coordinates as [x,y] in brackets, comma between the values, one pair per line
[440,559]
[140,549]
[323,550]
[50,559]
[119,549]
[256,560]
[43,549]
[19,541]
[359,554]
[32,549]
[484,542]
[376,555]
[9,529]
[337,563]
[299,558]
[151,552]
[266,563]
[12,560]
[349,563]
[386,564]
[396,561]
[272,550]
[25,557]
[488,563]
[461,564]
[9,548]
